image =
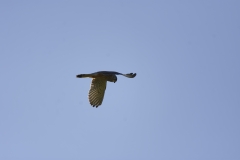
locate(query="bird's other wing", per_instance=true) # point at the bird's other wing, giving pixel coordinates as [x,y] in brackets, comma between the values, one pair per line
[96,92]
[129,75]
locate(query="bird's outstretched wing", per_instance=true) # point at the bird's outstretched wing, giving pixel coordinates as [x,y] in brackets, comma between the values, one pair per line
[129,75]
[96,92]
[102,73]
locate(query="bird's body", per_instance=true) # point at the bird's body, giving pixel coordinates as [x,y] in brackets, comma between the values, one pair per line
[99,84]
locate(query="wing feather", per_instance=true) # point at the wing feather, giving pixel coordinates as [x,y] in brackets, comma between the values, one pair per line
[96,92]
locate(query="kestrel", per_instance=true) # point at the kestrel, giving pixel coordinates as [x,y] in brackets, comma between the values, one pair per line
[99,83]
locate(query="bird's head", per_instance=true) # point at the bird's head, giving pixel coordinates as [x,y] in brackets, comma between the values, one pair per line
[113,78]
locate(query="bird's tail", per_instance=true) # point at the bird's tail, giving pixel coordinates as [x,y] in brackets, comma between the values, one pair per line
[83,75]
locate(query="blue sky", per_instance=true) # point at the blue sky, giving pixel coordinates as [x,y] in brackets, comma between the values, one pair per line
[183,104]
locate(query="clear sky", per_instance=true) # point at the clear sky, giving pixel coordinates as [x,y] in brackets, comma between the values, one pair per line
[184,103]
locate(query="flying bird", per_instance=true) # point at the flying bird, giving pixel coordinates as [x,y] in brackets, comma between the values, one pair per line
[99,84]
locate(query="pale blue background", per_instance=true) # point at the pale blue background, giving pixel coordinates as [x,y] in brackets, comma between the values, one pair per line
[184,103]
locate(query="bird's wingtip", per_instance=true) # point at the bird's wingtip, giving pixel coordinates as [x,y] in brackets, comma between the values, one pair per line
[131,75]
